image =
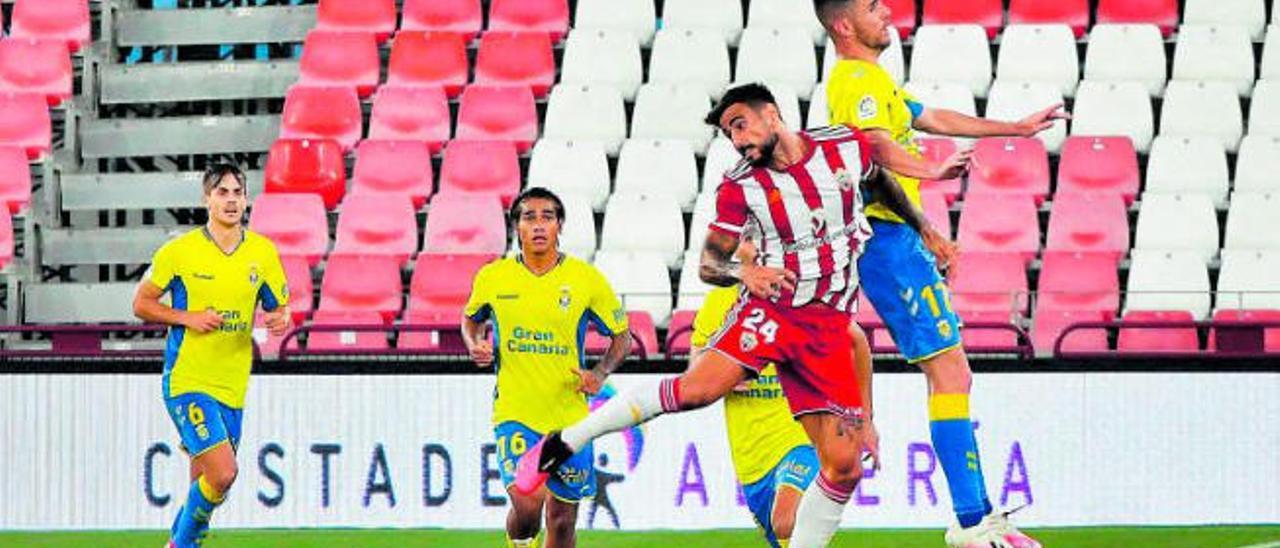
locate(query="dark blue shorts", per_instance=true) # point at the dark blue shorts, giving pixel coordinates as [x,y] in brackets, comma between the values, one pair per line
[797,469]
[899,275]
[574,481]
[204,422]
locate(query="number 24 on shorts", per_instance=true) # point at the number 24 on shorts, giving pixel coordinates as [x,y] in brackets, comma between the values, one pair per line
[756,321]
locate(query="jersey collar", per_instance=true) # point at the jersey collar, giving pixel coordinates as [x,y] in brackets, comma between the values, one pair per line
[559,261]
[209,236]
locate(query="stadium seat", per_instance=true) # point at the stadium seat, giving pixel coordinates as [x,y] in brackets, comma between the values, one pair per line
[1089,222]
[377,224]
[66,20]
[1039,53]
[1127,53]
[548,16]
[462,17]
[672,111]
[722,16]
[1098,165]
[787,100]
[1196,109]
[369,16]
[329,341]
[1083,282]
[1168,280]
[902,15]
[1183,222]
[781,14]
[648,166]
[1072,13]
[644,341]
[1248,15]
[691,57]
[578,235]
[6,239]
[579,112]
[979,332]
[952,53]
[297,274]
[1264,109]
[641,280]
[935,210]
[1221,338]
[1011,166]
[1114,108]
[1186,165]
[721,157]
[782,57]
[1253,221]
[481,167]
[400,168]
[429,59]
[1161,13]
[1051,324]
[36,66]
[322,113]
[1270,66]
[1016,100]
[411,113]
[602,57]
[891,59]
[989,282]
[679,331]
[663,234]
[340,59]
[936,150]
[465,223]
[1220,53]
[988,14]
[636,17]
[571,167]
[26,123]
[498,113]
[870,322]
[296,223]
[1158,339]
[1000,224]
[15,180]
[1248,279]
[441,283]
[307,166]
[366,283]
[516,59]
[1258,163]
[691,291]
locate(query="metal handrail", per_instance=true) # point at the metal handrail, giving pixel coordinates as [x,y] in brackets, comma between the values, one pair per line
[79,341]
[1119,324]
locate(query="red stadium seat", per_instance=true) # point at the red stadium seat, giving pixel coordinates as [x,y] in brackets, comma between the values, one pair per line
[1089,222]
[429,59]
[1010,165]
[1225,338]
[987,282]
[1073,13]
[498,113]
[340,59]
[368,283]
[346,340]
[377,224]
[997,223]
[1098,164]
[26,123]
[296,223]
[442,282]
[484,167]
[401,168]
[37,66]
[983,338]
[6,239]
[988,14]
[679,331]
[644,335]
[935,210]
[936,150]
[411,113]
[462,17]
[377,17]
[1158,339]
[66,20]
[1079,282]
[322,113]
[465,223]
[549,16]
[297,273]
[1161,13]
[516,59]
[903,13]
[15,180]
[307,166]
[1050,324]
[879,337]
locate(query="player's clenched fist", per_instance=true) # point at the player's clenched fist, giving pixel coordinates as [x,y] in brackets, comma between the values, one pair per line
[203,321]
[482,353]
[766,282]
[278,322]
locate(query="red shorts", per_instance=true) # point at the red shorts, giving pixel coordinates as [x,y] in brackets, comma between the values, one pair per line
[811,347]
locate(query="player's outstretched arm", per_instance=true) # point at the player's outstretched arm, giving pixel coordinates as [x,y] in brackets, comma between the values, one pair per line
[889,154]
[148,308]
[941,121]
[863,370]
[886,190]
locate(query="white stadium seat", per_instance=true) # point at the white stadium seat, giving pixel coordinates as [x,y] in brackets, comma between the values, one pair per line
[1127,53]
[672,111]
[579,235]
[721,157]
[1258,164]
[1215,53]
[587,113]
[819,111]
[1254,221]
[1270,69]
[1186,165]
[1039,53]
[690,57]
[783,57]
[723,16]
[952,53]
[1209,109]
[1114,108]
[1248,279]
[634,16]
[788,102]
[774,14]
[1264,109]
[704,212]
[1017,100]
[1168,280]
[891,59]
[691,291]
[1248,14]
[571,167]
[644,222]
[648,166]
[640,280]
[1177,222]
[599,57]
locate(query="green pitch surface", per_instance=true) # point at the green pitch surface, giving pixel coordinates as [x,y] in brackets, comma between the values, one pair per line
[1091,537]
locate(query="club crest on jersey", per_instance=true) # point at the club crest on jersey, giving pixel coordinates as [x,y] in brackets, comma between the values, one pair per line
[818,221]
[253,274]
[844,179]
[565,298]
[866,107]
[748,341]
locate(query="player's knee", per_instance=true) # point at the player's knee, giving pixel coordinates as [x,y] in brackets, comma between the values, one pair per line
[843,469]
[950,373]
[222,477]
[563,521]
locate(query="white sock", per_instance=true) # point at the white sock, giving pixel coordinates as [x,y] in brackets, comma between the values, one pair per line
[818,515]
[626,409]
[523,542]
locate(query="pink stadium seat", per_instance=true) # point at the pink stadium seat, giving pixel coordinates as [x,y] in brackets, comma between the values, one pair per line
[988,282]
[341,59]
[26,123]
[1079,282]
[465,223]
[37,66]
[369,283]
[463,17]
[297,273]
[481,167]
[1098,164]
[516,59]
[903,13]
[997,223]
[644,335]
[1013,165]
[935,210]
[400,168]
[498,113]
[377,224]
[1073,13]
[66,20]
[679,331]
[429,59]
[377,17]
[442,282]
[1050,324]
[346,340]
[1162,13]
[6,239]
[985,338]
[549,16]
[15,179]
[1227,339]
[1160,339]
[989,14]
[867,317]
[936,150]
[307,166]
[411,113]
[322,113]
[296,223]
[1089,222]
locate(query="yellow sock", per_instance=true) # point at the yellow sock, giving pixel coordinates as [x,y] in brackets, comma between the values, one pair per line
[522,543]
[210,494]
[784,542]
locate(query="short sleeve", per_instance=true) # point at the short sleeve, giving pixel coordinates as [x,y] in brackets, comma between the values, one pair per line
[731,209]
[917,108]
[861,104]
[164,267]
[604,308]
[274,291]
[478,305]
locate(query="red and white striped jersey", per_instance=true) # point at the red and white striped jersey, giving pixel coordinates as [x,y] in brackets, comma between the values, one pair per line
[809,216]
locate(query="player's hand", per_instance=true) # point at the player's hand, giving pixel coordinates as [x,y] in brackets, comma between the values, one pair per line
[1041,120]
[954,166]
[944,250]
[767,282]
[278,321]
[204,321]
[871,443]
[482,354]
[589,381]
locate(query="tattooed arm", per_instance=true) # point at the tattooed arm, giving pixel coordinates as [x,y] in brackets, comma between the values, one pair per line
[718,268]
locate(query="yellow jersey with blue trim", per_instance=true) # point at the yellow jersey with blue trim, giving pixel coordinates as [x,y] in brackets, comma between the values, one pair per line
[199,275]
[539,324]
[864,95]
[761,428]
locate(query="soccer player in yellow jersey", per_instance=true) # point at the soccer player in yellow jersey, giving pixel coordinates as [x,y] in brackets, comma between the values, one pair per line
[540,303]
[215,277]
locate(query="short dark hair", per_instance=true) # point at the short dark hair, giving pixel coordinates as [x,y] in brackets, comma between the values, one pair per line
[825,8]
[536,192]
[215,172]
[753,94]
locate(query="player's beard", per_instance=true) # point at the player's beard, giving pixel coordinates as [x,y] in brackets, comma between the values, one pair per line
[766,151]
